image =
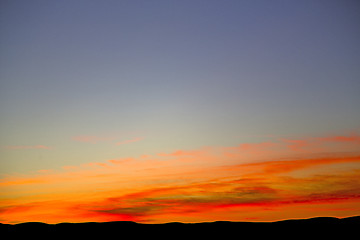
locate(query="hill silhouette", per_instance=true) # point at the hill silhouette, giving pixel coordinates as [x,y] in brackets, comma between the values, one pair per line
[313,227]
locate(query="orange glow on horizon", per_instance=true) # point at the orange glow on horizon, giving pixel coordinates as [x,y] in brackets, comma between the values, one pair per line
[238,183]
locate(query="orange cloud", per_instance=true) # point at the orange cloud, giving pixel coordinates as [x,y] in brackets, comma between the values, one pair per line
[248,181]
[320,143]
[296,145]
[346,139]
[130,140]
[121,161]
[277,167]
[222,197]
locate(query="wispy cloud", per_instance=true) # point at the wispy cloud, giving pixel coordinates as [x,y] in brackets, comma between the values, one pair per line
[92,139]
[353,138]
[136,139]
[248,181]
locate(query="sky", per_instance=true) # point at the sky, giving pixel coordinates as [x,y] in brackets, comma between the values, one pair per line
[191,111]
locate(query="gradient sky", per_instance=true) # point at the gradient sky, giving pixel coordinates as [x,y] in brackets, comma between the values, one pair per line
[157,111]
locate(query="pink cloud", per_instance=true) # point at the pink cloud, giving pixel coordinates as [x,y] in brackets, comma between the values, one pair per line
[130,140]
[182,153]
[256,146]
[120,161]
[91,139]
[296,145]
[321,143]
[354,138]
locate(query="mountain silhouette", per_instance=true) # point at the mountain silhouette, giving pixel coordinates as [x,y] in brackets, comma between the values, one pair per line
[309,228]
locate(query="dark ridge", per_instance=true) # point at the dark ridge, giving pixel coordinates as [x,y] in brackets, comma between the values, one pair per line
[316,220]
[352,220]
[313,227]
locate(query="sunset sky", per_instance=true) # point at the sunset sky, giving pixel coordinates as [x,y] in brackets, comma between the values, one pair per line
[167,110]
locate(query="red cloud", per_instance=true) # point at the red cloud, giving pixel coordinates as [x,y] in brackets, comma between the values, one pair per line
[206,184]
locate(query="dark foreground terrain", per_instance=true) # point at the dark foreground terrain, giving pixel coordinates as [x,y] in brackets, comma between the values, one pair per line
[346,228]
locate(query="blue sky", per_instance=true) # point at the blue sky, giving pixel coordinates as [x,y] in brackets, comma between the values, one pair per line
[177,74]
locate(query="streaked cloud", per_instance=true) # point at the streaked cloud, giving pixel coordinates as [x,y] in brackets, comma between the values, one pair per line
[136,139]
[92,139]
[247,181]
[352,138]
